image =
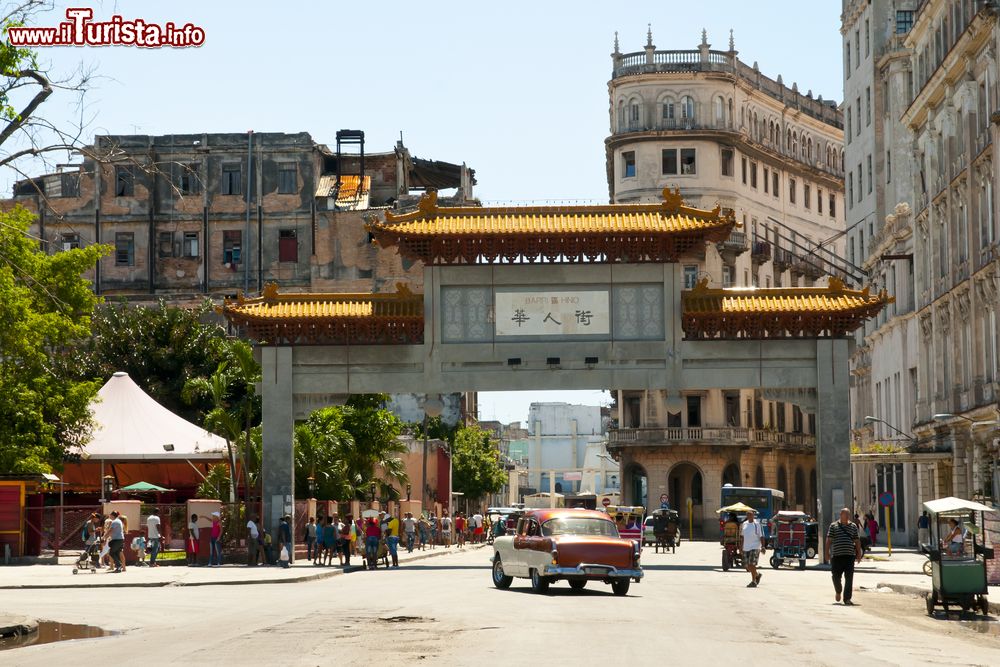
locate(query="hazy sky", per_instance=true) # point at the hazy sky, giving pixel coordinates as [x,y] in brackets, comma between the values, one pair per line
[517,90]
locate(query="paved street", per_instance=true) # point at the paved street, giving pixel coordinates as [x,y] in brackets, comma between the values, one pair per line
[445,610]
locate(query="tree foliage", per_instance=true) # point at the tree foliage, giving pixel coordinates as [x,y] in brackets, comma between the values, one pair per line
[161,347]
[476,467]
[217,483]
[347,448]
[45,305]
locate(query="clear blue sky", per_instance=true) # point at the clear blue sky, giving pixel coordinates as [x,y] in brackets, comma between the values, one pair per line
[517,90]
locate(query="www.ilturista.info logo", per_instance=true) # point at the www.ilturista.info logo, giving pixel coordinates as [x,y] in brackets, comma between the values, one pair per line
[80,30]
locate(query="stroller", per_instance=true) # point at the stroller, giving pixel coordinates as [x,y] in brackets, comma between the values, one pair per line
[89,559]
[381,556]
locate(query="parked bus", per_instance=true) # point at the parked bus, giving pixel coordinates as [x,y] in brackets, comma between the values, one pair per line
[766,502]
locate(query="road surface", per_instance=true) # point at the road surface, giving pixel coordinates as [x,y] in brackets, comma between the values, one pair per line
[445,611]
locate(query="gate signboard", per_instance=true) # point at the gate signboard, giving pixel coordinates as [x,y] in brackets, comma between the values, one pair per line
[552,313]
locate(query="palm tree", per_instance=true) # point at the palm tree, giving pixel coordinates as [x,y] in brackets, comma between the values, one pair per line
[235,405]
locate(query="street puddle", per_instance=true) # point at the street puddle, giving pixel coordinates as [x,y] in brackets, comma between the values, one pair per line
[50,631]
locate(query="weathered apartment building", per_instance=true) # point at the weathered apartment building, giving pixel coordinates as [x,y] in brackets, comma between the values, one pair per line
[198,215]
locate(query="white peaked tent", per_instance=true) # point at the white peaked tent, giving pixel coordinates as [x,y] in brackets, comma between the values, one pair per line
[130,425]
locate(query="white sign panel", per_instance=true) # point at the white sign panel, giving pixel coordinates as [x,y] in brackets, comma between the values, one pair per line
[555,313]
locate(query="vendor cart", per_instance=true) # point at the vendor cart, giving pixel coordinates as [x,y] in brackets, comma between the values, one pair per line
[957,554]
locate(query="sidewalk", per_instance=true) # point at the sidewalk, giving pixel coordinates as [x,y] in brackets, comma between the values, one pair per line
[61,576]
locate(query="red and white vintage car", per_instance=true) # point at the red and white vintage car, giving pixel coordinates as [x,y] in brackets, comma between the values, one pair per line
[573,544]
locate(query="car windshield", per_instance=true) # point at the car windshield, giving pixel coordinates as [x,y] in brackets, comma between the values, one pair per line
[579,526]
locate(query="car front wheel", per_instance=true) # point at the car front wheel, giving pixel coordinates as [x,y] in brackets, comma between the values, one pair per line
[500,580]
[539,584]
[620,587]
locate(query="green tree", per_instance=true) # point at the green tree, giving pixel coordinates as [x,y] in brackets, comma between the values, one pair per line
[375,453]
[161,347]
[476,467]
[346,448]
[217,483]
[235,407]
[320,444]
[45,305]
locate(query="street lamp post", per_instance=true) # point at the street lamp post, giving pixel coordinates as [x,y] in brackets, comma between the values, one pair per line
[108,487]
[311,482]
[869,419]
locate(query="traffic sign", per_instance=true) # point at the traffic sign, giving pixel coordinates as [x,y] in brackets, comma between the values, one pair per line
[886,498]
[606,501]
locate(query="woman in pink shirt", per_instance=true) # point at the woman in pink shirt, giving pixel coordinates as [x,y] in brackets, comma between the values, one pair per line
[215,554]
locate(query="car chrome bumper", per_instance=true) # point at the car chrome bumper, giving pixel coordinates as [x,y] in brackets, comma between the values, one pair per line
[593,571]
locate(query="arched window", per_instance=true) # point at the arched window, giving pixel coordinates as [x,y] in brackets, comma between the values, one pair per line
[788,139]
[809,154]
[687,108]
[731,475]
[730,113]
[621,114]
[782,480]
[800,486]
[754,127]
[795,143]
[667,113]
[759,477]
[633,114]
[720,112]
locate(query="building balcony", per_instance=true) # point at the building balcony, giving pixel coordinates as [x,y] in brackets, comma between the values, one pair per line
[782,259]
[809,268]
[734,246]
[707,435]
[761,252]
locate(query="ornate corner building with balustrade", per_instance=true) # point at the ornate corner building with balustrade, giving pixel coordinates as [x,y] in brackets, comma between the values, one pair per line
[724,134]
[920,77]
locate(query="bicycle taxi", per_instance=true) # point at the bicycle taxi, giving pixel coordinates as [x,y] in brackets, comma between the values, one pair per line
[629,519]
[957,554]
[730,519]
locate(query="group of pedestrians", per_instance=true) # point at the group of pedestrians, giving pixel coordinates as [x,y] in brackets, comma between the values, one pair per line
[842,549]
[104,537]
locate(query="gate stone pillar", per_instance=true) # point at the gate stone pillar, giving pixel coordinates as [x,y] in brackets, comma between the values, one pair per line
[277,460]
[833,430]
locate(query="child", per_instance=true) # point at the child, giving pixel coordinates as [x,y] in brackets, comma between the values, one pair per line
[139,547]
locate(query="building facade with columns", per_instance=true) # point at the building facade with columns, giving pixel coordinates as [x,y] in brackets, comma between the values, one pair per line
[927,368]
[724,134]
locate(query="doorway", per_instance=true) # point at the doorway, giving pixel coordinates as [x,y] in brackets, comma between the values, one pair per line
[686,481]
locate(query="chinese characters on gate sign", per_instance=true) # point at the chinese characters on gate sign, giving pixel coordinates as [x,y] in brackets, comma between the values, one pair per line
[556,313]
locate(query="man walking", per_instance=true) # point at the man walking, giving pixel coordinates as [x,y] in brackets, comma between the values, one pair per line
[924,529]
[843,550]
[410,528]
[311,539]
[392,539]
[153,535]
[751,544]
[116,541]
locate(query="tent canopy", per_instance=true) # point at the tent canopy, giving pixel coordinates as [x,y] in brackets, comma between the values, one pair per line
[953,504]
[129,424]
[736,507]
[142,486]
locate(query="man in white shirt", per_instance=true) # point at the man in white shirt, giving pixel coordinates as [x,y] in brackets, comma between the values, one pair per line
[153,535]
[477,527]
[752,545]
[253,542]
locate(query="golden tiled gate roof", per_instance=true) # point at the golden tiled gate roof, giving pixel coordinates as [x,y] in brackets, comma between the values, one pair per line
[398,318]
[632,233]
[329,319]
[794,312]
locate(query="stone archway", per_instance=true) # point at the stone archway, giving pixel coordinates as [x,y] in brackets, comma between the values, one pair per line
[731,475]
[686,480]
[800,488]
[759,480]
[635,485]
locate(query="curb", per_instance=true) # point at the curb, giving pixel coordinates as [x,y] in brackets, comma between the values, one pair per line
[320,574]
[922,593]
